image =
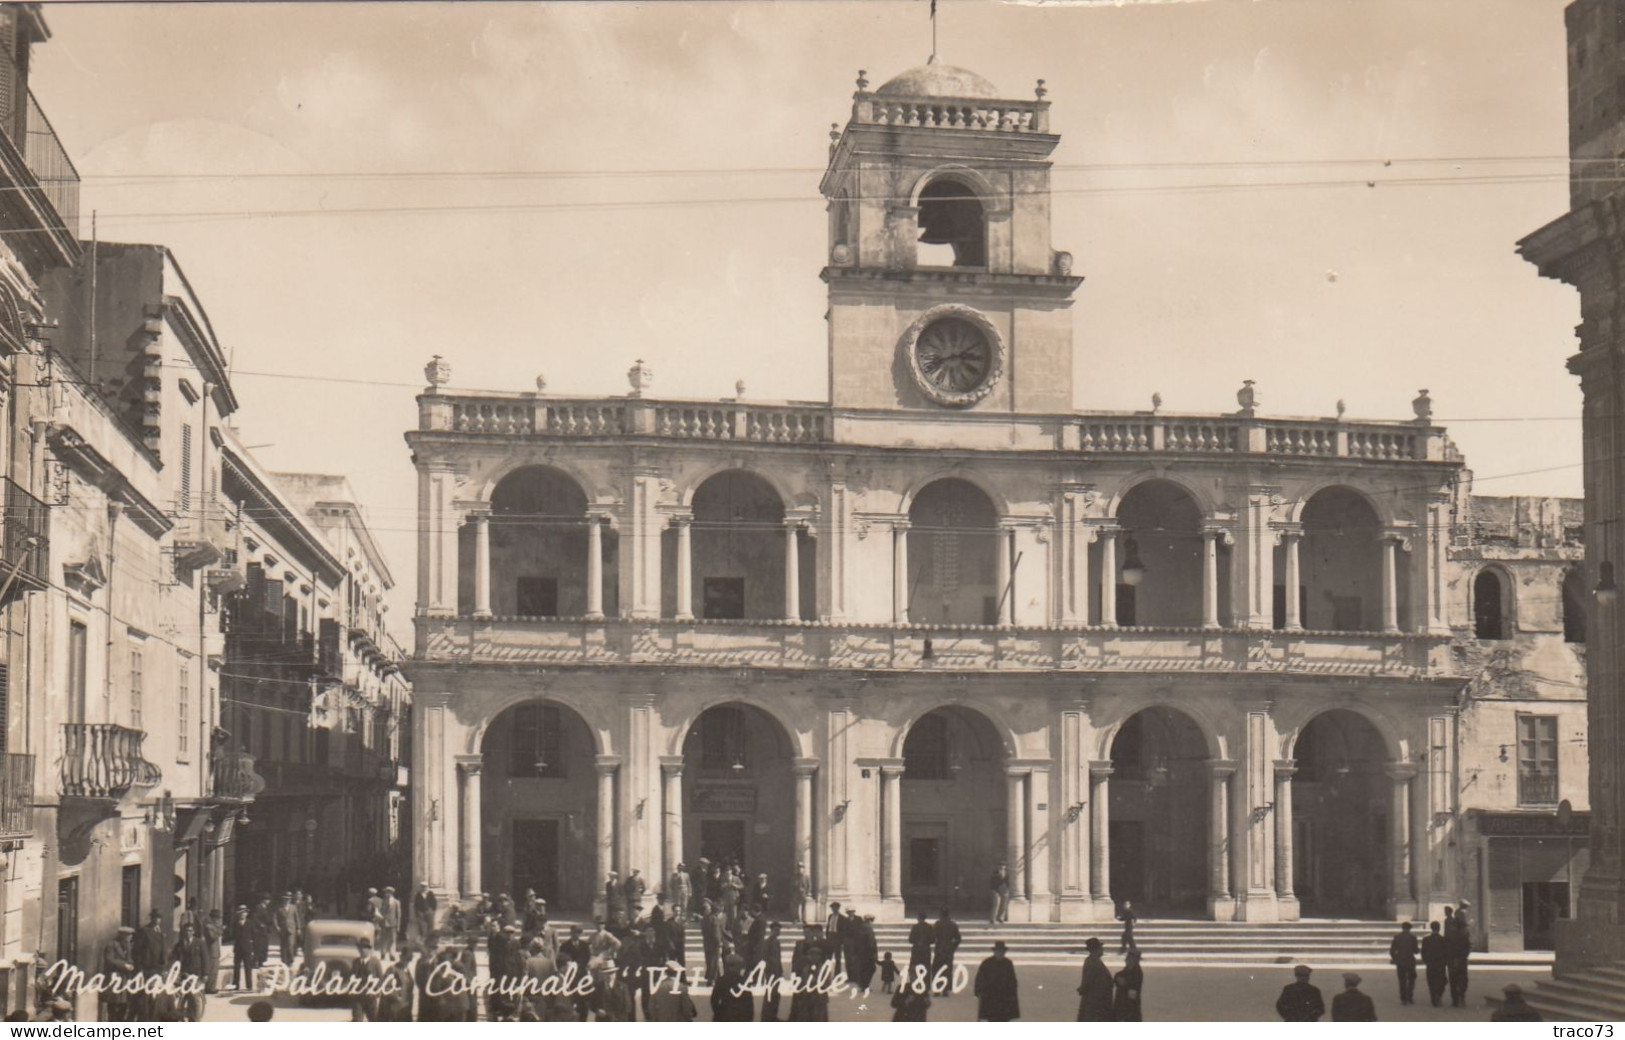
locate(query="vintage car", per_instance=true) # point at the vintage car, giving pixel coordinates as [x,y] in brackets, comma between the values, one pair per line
[332,945]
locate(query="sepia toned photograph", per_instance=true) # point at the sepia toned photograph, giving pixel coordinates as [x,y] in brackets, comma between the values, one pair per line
[855,511]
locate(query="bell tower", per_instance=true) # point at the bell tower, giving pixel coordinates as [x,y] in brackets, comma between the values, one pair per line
[945,293]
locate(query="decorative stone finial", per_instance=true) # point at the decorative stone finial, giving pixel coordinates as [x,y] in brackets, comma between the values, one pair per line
[640,376]
[1156,403]
[1423,406]
[834,132]
[437,371]
[1341,408]
[1061,262]
[841,254]
[541,384]
[863,79]
[1247,397]
[739,388]
[1040,91]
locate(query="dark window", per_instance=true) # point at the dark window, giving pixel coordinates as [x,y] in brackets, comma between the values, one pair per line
[1489,618]
[1280,605]
[1537,759]
[724,598]
[722,743]
[129,913]
[926,754]
[535,750]
[924,867]
[1574,610]
[1125,604]
[538,597]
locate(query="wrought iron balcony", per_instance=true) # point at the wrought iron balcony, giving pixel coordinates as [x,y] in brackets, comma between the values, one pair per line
[101,760]
[235,777]
[23,543]
[1537,788]
[17,795]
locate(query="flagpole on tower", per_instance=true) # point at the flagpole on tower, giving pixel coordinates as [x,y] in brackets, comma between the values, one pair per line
[933,33]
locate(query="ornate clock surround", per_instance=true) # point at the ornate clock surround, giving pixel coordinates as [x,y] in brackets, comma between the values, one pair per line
[910,344]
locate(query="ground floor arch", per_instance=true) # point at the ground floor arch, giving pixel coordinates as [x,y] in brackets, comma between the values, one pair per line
[1160,813]
[538,806]
[738,791]
[1341,806]
[953,811]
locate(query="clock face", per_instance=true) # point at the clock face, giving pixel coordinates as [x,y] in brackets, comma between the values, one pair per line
[954,356]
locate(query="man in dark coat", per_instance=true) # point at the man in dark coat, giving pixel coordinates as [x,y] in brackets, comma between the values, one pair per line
[1095,989]
[867,957]
[1299,1001]
[731,1000]
[996,997]
[1351,1005]
[1458,945]
[150,952]
[770,955]
[1128,917]
[117,963]
[245,967]
[1402,955]
[1126,988]
[1435,959]
[614,902]
[942,964]
[921,938]
[834,929]
[212,931]
[635,887]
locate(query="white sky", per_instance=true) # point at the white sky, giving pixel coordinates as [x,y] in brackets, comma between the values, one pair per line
[1317,292]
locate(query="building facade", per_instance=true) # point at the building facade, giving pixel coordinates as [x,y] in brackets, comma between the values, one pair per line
[1219,665]
[1586,249]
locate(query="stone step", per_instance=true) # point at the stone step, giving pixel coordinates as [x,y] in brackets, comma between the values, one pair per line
[1579,987]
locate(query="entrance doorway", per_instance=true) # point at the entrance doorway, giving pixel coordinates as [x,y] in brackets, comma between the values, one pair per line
[723,841]
[1128,865]
[1544,904]
[536,859]
[927,872]
[1159,805]
[1340,799]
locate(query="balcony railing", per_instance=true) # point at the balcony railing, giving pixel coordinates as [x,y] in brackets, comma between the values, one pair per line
[1537,788]
[23,542]
[235,777]
[101,760]
[814,645]
[17,794]
[49,162]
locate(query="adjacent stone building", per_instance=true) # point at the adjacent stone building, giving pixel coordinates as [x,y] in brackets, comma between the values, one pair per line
[1219,665]
[1586,249]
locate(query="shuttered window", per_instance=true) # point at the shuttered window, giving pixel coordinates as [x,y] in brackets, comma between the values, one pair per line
[183,715]
[184,503]
[1537,759]
[135,690]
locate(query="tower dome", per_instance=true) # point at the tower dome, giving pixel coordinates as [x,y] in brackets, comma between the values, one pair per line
[934,80]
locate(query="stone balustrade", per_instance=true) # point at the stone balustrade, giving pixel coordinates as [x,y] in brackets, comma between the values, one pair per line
[813,645]
[1012,116]
[524,415]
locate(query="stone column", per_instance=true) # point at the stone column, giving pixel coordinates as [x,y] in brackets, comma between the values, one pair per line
[1038,838]
[595,567]
[1285,769]
[685,567]
[899,571]
[433,791]
[792,570]
[1004,593]
[470,834]
[1218,845]
[1108,577]
[1399,837]
[1015,830]
[671,773]
[482,564]
[1291,538]
[437,538]
[891,831]
[1390,584]
[1100,860]
[607,766]
[803,770]
[1210,578]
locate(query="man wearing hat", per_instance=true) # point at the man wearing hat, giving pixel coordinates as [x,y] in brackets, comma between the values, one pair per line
[1095,989]
[245,966]
[834,929]
[1513,1007]
[1126,988]
[287,927]
[1458,945]
[364,1006]
[997,999]
[1435,957]
[389,926]
[150,953]
[1300,1001]
[1351,1005]
[117,963]
[669,1000]
[1402,955]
